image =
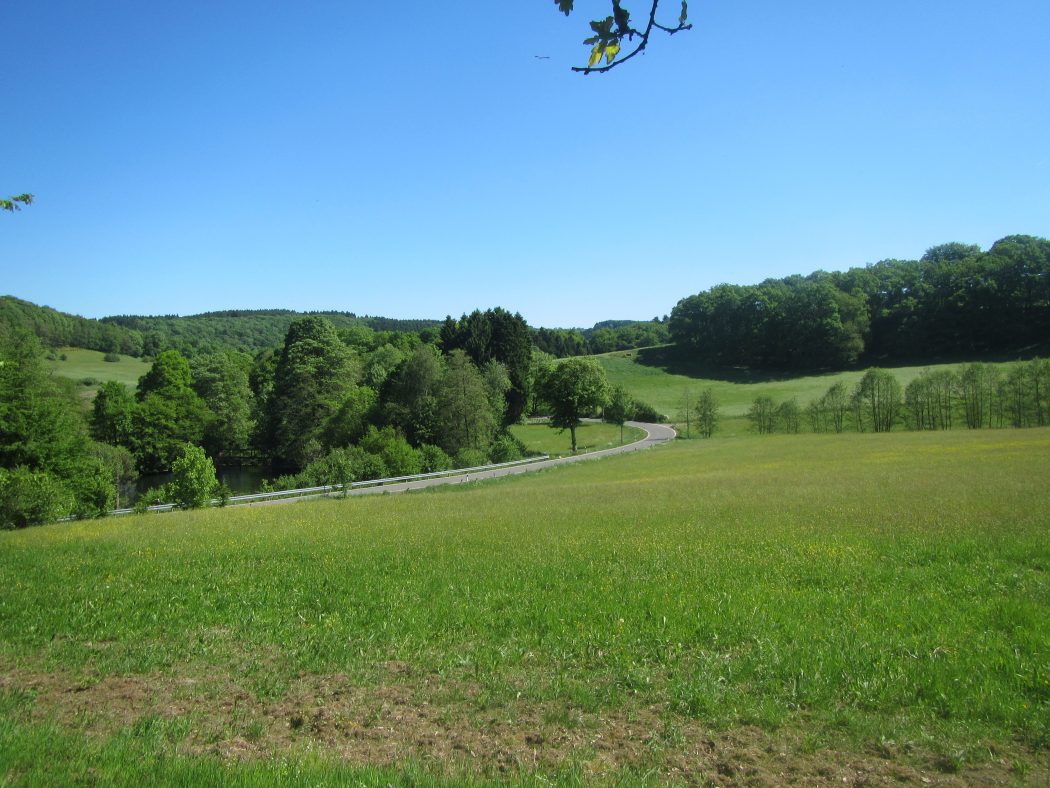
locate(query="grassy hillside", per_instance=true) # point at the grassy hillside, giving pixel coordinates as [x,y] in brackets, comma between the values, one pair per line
[83,365]
[812,608]
[648,376]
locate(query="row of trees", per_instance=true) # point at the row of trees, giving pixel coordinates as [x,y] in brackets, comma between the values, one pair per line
[956,300]
[976,396]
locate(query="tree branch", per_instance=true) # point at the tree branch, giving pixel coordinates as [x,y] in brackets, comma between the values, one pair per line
[630,33]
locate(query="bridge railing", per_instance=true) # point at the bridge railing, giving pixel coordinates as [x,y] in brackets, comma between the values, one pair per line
[334,488]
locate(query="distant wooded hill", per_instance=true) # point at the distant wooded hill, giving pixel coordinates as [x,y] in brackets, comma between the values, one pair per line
[247,330]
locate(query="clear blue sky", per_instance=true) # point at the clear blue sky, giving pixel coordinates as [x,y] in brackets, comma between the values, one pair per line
[416,159]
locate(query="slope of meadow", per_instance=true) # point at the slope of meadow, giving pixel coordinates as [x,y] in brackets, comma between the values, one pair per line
[90,369]
[815,608]
[648,377]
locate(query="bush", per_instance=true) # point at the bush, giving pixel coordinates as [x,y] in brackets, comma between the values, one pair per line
[397,455]
[193,483]
[643,411]
[31,497]
[152,497]
[434,459]
[111,357]
[223,493]
[470,458]
[506,448]
[94,489]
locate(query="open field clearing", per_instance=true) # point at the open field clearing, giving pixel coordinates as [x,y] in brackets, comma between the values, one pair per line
[735,390]
[541,438]
[81,364]
[811,609]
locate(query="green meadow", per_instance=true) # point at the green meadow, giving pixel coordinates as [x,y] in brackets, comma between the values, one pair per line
[811,608]
[81,365]
[649,376]
[542,439]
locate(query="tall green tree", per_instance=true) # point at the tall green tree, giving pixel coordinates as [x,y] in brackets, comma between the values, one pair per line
[619,408]
[763,415]
[880,394]
[464,415]
[112,414]
[169,413]
[313,378]
[573,389]
[409,398]
[221,380]
[498,335]
[707,413]
[50,468]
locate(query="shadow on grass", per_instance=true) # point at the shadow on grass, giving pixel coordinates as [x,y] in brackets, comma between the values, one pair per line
[674,361]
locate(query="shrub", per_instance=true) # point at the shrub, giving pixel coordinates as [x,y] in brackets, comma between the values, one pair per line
[506,448]
[470,458]
[111,357]
[152,497]
[643,411]
[31,497]
[434,458]
[193,483]
[390,446]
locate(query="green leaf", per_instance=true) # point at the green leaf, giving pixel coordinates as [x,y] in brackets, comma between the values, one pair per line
[611,51]
[596,55]
[565,6]
[685,13]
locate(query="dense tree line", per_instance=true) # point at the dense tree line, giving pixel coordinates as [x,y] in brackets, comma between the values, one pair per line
[955,301]
[244,331]
[58,329]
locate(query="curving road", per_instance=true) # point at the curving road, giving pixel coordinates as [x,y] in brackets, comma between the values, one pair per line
[654,434]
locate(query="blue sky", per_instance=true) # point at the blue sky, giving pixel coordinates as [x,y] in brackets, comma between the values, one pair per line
[398,160]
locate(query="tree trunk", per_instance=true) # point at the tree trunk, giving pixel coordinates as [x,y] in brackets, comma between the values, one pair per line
[572,430]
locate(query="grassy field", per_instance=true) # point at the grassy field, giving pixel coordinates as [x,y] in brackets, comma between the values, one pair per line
[814,608]
[543,439]
[646,375]
[80,364]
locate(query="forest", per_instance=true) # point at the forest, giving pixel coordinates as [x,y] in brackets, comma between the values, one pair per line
[954,302]
[326,406]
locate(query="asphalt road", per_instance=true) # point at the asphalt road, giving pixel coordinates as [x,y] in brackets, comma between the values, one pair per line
[654,434]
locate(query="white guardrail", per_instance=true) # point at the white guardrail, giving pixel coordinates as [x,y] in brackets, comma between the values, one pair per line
[330,488]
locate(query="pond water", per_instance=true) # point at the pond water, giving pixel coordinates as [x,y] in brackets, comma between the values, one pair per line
[241,480]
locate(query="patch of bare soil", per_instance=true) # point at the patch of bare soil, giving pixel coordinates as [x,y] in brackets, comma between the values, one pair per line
[427,720]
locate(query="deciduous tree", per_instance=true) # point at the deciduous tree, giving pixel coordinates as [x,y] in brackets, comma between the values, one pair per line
[573,389]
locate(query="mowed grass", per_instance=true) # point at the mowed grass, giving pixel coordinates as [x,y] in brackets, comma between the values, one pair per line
[735,390]
[863,593]
[543,439]
[81,364]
